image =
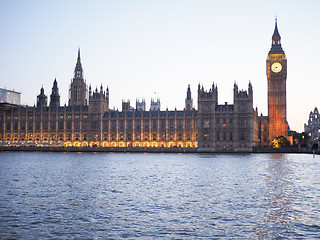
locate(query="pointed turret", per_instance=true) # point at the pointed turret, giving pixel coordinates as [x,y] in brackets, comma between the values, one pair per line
[55,97]
[189,93]
[235,90]
[41,99]
[189,101]
[90,90]
[250,91]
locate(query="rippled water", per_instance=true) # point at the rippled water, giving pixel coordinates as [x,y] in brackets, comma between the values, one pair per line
[151,196]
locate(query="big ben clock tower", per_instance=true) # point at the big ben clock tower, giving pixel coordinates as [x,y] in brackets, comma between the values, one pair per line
[277,76]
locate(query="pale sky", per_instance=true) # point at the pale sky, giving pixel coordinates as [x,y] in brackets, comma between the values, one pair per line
[143,49]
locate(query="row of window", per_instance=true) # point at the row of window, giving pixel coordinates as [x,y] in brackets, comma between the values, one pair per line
[223,136]
[224,123]
[95,136]
[96,125]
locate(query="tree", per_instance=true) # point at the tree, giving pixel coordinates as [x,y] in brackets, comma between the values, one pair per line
[280,141]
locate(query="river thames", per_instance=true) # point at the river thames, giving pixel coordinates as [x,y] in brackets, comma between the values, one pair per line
[154,196]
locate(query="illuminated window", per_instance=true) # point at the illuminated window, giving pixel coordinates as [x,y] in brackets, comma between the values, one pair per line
[171,136]
[206,137]
[163,136]
[121,136]
[146,136]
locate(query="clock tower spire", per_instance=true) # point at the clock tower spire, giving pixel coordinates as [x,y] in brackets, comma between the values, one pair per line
[276,42]
[277,77]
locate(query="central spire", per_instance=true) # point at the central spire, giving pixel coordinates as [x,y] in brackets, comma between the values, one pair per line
[78,87]
[78,72]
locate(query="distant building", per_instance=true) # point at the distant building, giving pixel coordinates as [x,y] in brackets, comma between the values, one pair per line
[10,97]
[312,128]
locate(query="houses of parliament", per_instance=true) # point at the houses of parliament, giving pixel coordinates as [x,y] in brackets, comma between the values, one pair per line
[88,121]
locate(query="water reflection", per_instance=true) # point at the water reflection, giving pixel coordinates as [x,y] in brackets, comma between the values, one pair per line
[276,211]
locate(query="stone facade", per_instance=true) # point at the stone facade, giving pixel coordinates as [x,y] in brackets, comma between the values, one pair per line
[227,127]
[95,124]
[91,126]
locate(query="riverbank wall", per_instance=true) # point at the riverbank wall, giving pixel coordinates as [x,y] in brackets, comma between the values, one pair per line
[145,150]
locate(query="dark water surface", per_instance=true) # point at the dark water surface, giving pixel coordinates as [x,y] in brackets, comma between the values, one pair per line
[152,196]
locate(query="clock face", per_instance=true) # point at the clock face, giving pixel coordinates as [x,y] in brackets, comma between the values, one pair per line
[276,67]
